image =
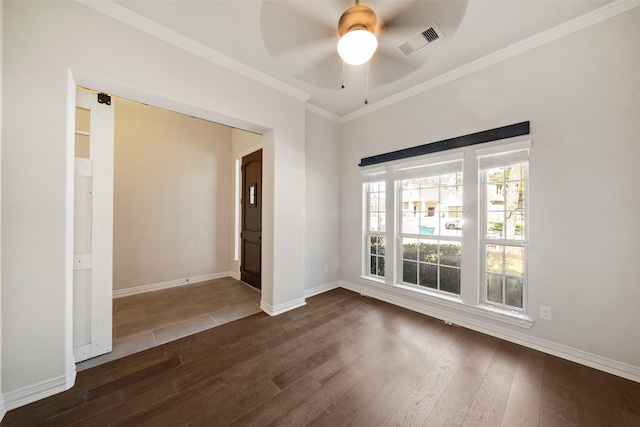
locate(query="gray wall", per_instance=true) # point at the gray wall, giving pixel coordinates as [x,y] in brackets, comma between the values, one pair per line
[322,258]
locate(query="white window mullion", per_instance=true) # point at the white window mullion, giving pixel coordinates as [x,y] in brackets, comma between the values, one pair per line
[390,227]
[469,259]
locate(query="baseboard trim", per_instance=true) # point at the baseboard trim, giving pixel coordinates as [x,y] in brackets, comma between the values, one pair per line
[24,396]
[591,360]
[281,308]
[316,290]
[169,284]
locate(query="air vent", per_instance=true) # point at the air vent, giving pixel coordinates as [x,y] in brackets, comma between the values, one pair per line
[421,40]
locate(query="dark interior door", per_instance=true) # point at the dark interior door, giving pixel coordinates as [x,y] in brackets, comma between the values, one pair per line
[251,235]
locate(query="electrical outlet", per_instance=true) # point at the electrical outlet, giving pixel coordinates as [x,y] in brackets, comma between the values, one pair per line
[545,312]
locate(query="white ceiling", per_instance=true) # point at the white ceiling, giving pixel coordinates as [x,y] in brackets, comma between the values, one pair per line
[294,41]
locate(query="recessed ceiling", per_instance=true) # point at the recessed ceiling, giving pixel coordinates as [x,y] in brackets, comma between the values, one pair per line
[295,41]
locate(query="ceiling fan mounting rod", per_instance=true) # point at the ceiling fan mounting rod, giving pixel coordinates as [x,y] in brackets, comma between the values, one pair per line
[358,17]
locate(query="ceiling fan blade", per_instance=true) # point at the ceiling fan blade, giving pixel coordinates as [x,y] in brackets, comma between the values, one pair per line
[386,67]
[409,17]
[287,26]
[325,73]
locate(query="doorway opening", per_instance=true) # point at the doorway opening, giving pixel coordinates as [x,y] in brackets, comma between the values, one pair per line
[173,258]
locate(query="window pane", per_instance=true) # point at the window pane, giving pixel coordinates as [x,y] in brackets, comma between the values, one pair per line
[381,245]
[373,244]
[428,252]
[410,224]
[380,266]
[410,272]
[495,261]
[450,280]
[430,196]
[494,287]
[376,221]
[514,260]
[513,291]
[514,225]
[430,181]
[450,254]
[428,226]
[374,202]
[373,267]
[373,221]
[495,175]
[512,195]
[495,223]
[429,275]
[410,249]
[381,220]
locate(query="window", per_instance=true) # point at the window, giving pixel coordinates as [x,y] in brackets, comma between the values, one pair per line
[462,246]
[503,241]
[431,239]
[375,228]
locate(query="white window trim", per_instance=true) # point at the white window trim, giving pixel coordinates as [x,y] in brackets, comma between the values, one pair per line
[501,155]
[440,165]
[450,302]
[366,232]
[470,300]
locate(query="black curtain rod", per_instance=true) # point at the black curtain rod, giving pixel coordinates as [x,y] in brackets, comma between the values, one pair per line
[496,134]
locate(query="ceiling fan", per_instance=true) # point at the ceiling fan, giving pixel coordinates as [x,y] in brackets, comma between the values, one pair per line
[306,31]
[356,27]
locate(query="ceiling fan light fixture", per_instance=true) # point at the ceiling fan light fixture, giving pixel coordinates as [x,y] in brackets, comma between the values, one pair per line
[357,42]
[357,46]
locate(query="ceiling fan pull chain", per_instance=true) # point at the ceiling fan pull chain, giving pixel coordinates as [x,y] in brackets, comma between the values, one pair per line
[343,66]
[366,87]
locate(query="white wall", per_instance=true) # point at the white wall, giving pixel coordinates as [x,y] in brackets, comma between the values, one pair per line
[51,46]
[322,260]
[172,196]
[582,96]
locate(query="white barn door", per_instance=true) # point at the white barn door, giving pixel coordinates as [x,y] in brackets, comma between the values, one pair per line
[93,227]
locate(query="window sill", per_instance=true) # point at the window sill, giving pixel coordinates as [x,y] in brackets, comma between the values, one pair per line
[451,302]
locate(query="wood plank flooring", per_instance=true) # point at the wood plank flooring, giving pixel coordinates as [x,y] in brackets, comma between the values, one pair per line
[341,360]
[153,318]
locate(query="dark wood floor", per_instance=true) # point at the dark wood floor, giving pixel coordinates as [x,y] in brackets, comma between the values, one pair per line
[340,360]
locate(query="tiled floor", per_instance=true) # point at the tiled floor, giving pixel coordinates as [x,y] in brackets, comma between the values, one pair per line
[150,319]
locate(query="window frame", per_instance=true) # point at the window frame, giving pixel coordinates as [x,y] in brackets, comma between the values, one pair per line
[472,260]
[502,156]
[369,178]
[438,169]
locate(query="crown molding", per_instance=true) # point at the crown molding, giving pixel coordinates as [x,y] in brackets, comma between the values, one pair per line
[122,14]
[322,112]
[576,24]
